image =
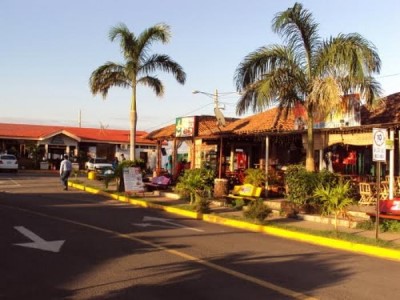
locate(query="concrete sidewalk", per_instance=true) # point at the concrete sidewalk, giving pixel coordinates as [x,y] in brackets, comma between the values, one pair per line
[227,216]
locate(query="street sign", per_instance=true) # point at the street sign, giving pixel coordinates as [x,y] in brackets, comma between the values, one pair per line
[379,136]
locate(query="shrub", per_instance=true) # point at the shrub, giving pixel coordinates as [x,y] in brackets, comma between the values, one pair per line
[255,177]
[257,211]
[200,181]
[334,199]
[202,202]
[366,225]
[390,226]
[301,185]
[238,204]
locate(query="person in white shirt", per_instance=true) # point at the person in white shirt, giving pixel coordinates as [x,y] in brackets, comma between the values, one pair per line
[65,171]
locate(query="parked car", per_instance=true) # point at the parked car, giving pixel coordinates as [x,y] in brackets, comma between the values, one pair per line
[8,162]
[97,163]
[104,172]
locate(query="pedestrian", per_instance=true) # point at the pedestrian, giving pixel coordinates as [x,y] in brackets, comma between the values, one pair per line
[115,163]
[65,171]
[122,157]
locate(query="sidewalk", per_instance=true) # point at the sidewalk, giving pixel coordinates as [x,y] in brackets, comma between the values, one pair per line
[225,211]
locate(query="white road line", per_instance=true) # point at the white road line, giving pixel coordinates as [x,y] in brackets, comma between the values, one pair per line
[4,183]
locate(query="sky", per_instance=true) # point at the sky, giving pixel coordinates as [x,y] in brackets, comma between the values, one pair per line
[49,49]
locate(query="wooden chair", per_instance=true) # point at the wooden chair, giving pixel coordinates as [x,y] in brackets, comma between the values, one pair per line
[384,190]
[367,194]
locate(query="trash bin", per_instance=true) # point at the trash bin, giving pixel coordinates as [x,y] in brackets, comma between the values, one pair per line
[220,187]
[92,175]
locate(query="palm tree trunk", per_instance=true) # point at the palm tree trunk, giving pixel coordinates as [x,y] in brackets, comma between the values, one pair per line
[310,142]
[133,122]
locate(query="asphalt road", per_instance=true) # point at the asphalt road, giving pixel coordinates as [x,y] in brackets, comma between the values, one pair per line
[57,244]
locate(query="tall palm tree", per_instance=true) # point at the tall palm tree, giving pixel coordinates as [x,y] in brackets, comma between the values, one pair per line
[307,70]
[137,68]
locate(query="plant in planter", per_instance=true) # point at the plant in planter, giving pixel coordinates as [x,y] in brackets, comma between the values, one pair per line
[335,199]
[197,186]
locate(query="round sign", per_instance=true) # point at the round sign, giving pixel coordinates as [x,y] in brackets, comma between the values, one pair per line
[379,138]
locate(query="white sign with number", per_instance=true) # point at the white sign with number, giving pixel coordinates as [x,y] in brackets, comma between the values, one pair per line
[379,136]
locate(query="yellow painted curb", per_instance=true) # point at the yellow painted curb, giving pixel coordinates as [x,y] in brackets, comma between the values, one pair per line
[376,251]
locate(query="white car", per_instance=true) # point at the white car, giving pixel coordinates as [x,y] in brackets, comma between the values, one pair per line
[8,162]
[97,163]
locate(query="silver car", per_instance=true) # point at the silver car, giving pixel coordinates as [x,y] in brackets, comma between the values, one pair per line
[8,162]
[97,163]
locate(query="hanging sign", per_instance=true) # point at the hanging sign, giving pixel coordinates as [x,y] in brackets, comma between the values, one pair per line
[379,136]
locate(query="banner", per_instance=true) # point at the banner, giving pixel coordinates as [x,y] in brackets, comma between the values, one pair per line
[133,179]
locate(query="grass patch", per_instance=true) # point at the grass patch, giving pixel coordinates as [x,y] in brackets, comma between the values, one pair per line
[344,236]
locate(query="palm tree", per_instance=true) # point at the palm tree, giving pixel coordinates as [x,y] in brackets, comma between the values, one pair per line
[335,199]
[137,68]
[307,70]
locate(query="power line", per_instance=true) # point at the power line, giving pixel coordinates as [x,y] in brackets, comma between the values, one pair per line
[173,120]
[390,75]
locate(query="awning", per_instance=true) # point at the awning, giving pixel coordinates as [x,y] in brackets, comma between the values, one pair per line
[355,139]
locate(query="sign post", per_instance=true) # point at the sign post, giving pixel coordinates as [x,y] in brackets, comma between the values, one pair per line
[379,136]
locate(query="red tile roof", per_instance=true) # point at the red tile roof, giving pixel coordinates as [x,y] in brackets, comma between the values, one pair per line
[207,126]
[262,122]
[40,132]
[387,111]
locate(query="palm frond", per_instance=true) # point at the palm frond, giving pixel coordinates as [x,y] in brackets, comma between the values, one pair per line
[325,96]
[164,63]
[127,39]
[153,83]
[260,62]
[299,30]
[106,76]
[267,75]
[159,32]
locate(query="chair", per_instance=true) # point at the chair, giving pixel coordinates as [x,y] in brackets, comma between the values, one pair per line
[367,194]
[384,190]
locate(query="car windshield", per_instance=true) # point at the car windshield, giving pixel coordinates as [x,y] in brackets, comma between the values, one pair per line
[100,160]
[8,157]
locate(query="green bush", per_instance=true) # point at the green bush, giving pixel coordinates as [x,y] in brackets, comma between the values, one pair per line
[334,199]
[366,225]
[255,177]
[195,181]
[238,204]
[301,185]
[257,211]
[201,203]
[390,226]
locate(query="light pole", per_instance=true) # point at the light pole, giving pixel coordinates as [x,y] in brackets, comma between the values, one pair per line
[215,96]
[220,120]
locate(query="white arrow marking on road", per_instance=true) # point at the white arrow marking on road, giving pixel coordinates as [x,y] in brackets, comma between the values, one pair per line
[38,242]
[167,221]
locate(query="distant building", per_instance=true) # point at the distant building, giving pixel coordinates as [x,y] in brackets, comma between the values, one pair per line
[51,142]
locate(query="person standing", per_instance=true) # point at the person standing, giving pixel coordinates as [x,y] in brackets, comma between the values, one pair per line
[115,163]
[65,171]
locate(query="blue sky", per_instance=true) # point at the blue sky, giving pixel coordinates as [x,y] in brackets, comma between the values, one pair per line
[49,48]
